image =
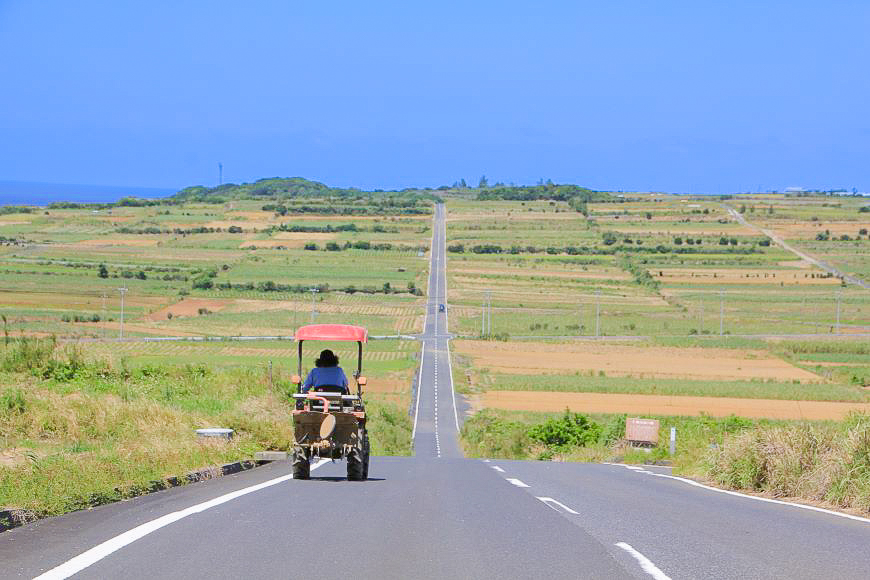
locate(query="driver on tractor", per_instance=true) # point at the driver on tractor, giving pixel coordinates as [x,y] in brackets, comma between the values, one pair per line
[326,373]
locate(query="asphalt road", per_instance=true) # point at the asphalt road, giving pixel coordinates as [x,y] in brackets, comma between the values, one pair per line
[437,515]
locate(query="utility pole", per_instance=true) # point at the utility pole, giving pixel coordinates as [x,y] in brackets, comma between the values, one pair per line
[721,312]
[597,313]
[220,173]
[839,297]
[313,291]
[489,309]
[700,314]
[104,316]
[121,329]
[486,314]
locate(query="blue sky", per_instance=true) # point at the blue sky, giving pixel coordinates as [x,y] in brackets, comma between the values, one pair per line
[631,95]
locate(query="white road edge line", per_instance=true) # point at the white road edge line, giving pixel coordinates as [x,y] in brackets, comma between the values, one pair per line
[645,563]
[765,499]
[758,498]
[100,551]
[548,500]
[452,390]
[516,482]
[419,391]
[497,468]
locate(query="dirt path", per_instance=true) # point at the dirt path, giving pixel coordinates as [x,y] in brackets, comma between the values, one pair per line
[667,405]
[802,255]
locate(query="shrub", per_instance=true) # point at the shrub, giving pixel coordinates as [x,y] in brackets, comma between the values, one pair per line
[571,430]
[203,283]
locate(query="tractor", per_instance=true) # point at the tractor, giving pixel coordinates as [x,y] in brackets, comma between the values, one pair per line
[329,422]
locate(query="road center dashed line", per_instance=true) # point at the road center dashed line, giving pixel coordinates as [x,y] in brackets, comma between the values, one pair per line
[645,563]
[516,482]
[550,503]
[497,468]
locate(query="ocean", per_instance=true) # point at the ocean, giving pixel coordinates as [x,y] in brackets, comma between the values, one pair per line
[34,193]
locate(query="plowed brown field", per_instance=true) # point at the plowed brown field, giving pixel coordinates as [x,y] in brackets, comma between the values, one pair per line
[667,405]
[639,361]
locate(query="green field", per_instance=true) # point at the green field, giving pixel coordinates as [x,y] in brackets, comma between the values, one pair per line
[666,274]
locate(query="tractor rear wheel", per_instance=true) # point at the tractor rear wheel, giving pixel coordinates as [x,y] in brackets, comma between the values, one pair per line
[357,460]
[301,466]
[366,453]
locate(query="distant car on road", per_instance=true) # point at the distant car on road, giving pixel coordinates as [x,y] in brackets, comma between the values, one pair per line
[441,308]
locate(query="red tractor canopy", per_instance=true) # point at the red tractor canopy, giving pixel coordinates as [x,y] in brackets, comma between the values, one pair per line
[333,332]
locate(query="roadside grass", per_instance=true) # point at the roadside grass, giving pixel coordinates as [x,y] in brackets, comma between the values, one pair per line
[77,432]
[827,463]
[505,435]
[818,461]
[593,383]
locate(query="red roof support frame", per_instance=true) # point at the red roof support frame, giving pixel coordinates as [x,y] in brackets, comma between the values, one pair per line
[344,332]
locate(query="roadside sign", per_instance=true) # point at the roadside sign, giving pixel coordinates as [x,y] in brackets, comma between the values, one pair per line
[642,431]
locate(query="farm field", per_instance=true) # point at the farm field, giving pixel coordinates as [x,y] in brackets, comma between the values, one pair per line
[654,295]
[834,230]
[209,269]
[669,405]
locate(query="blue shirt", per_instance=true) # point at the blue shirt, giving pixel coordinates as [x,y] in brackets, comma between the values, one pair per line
[325,376]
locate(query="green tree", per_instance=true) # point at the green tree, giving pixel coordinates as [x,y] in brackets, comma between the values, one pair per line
[483,183]
[104,272]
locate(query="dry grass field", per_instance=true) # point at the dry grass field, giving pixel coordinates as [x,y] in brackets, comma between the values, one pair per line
[621,360]
[607,403]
